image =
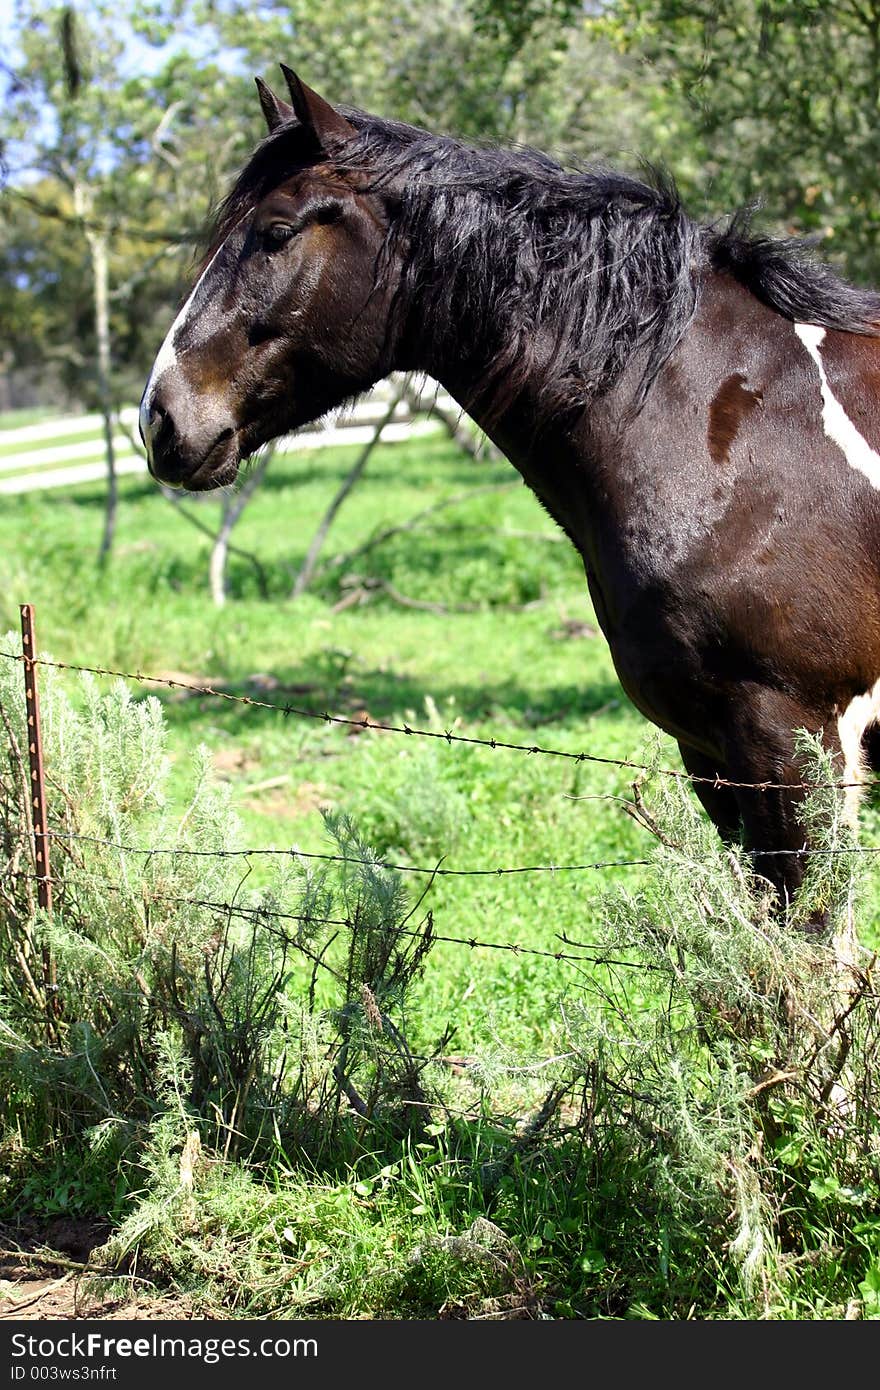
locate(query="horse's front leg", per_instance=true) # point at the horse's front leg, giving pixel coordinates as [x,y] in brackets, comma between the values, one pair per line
[718,801]
[760,749]
[765,822]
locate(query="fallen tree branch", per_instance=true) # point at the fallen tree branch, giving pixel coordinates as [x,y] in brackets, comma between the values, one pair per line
[362,593]
[14,1309]
[340,561]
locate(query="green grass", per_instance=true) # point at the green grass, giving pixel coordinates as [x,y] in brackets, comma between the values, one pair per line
[27,415]
[36,447]
[524,663]
[512,675]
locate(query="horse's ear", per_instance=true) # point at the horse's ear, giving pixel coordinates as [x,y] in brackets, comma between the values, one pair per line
[314,112]
[275,110]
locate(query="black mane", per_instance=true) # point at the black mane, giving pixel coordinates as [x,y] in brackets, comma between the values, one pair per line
[562,275]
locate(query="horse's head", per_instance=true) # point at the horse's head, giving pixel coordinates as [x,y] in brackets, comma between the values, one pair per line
[286,319]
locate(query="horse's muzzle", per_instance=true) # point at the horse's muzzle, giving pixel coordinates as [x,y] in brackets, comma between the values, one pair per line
[188,448]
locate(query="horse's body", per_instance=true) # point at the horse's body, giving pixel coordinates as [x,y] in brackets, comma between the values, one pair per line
[700,412]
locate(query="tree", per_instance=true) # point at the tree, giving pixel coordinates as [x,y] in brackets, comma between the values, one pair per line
[782,100]
[434,65]
[113,158]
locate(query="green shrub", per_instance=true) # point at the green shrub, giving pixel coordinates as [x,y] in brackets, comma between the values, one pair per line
[741,1089]
[149,954]
[231,1069]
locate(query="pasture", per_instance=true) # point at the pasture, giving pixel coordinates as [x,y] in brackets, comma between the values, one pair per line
[474,620]
[527,666]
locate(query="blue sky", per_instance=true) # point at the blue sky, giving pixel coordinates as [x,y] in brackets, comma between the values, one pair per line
[139,58]
[142,57]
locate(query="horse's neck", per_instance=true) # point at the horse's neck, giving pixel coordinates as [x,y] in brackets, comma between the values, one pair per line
[557,462]
[609,466]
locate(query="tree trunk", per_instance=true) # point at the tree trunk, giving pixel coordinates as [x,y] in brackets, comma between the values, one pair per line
[233,506]
[98,251]
[303,579]
[98,246]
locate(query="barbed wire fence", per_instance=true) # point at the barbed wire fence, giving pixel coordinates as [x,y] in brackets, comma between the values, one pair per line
[348,939]
[575,953]
[287,709]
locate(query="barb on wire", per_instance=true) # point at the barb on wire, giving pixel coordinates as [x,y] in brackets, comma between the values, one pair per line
[294,852]
[445,736]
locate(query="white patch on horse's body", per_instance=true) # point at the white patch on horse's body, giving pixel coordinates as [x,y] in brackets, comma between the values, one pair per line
[838,426]
[860,713]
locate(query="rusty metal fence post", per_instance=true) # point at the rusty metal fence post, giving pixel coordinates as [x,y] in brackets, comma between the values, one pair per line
[35,759]
[39,818]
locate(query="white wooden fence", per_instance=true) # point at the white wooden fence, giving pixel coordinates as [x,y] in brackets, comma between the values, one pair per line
[70,449]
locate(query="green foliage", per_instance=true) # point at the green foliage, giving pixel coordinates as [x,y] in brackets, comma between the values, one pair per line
[688,1157]
[97,148]
[417,809]
[158,972]
[305,1246]
[572,1156]
[751,1089]
[484,566]
[729,96]
[780,101]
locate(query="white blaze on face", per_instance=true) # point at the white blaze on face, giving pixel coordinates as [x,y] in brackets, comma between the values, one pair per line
[838,426]
[168,356]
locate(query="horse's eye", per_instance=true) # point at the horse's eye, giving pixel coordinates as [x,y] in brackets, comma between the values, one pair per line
[277,234]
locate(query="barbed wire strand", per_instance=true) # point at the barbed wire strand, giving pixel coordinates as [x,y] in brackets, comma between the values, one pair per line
[445,736]
[259,914]
[294,853]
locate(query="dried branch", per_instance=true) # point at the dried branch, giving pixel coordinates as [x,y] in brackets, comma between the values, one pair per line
[303,579]
[386,534]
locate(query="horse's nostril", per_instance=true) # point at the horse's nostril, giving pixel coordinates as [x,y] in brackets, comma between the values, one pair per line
[161,423]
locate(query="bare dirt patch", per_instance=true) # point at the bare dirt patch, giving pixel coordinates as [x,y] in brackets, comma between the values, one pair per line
[233,761]
[293,804]
[53,1273]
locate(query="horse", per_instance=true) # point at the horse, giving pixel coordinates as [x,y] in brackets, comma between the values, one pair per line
[695,405]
